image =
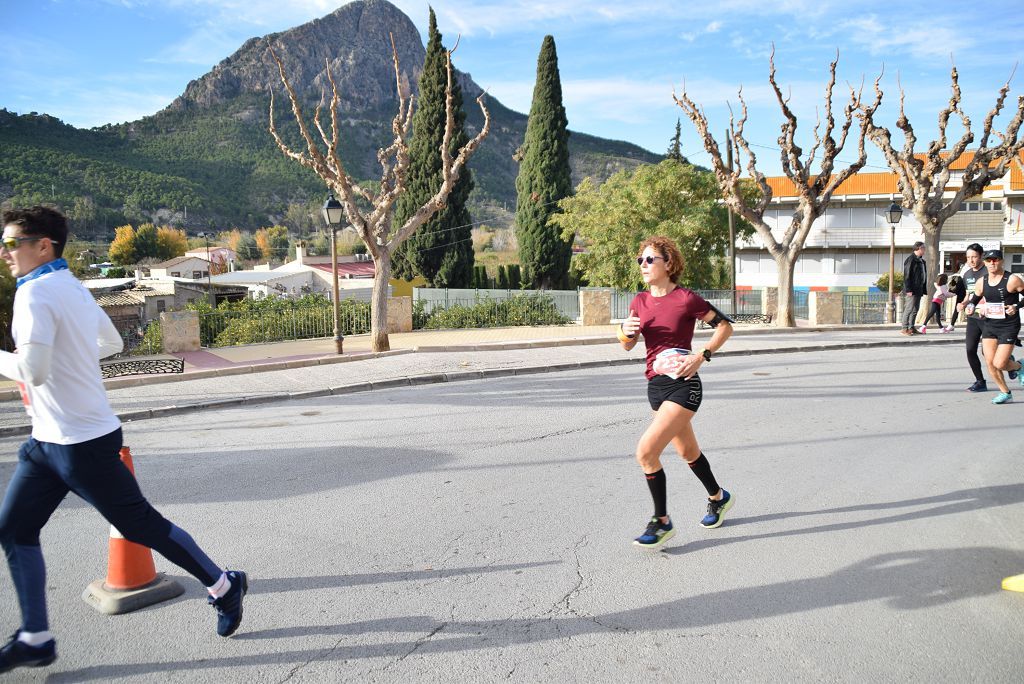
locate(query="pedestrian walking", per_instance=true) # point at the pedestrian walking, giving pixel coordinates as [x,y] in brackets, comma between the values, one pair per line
[666,315]
[972,273]
[61,334]
[1001,294]
[915,284]
[938,299]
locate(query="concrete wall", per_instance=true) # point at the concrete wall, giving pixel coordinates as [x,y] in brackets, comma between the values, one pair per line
[180,331]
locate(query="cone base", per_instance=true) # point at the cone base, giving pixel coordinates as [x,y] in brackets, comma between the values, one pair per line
[116,601]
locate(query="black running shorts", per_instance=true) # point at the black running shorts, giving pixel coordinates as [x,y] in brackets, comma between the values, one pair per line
[686,393]
[1004,332]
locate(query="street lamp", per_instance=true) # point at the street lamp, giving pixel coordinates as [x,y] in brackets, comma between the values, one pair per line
[332,213]
[893,215]
[209,272]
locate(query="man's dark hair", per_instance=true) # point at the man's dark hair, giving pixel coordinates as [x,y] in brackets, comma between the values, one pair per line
[975,247]
[40,221]
[918,245]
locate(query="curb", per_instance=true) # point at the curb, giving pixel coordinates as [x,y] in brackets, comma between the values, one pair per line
[455,376]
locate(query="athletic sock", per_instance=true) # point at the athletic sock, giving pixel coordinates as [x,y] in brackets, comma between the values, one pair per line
[34,638]
[221,587]
[702,469]
[656,483]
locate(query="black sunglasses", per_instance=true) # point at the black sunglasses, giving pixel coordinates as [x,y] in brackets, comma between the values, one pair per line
[650,260]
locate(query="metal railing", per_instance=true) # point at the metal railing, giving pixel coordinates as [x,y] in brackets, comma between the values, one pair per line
[746,302]
[566,301]
[227,328]
[865,307]
[135,338]
[800,307]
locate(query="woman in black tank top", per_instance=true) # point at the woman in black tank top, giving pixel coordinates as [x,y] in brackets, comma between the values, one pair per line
[997,297]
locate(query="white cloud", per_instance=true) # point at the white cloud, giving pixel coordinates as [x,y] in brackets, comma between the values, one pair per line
[923,40]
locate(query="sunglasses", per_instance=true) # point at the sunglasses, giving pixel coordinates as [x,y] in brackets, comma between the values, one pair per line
[640,261]
[12,243]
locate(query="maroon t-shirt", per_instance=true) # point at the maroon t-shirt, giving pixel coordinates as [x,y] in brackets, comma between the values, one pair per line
[668,322]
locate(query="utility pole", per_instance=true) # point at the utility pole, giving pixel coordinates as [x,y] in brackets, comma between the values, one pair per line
[732,228]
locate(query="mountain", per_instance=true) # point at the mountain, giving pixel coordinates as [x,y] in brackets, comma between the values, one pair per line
[207,160]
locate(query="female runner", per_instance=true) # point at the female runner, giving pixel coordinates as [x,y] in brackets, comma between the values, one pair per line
[666,315]
[1001,292]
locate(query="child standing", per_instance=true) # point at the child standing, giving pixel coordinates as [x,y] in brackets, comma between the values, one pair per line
[940,296]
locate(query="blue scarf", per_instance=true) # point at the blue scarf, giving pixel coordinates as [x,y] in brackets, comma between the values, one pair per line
[49,267]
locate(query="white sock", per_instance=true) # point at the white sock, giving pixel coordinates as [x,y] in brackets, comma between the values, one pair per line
[221,587]
[34,638]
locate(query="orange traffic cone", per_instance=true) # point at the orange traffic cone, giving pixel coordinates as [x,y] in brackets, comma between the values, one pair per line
[132,580]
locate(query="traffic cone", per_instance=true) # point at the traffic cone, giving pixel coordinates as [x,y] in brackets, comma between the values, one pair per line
[132,580]
[1014,583]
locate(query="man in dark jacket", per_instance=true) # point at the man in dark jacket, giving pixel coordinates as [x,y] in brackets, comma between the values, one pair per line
[915,284]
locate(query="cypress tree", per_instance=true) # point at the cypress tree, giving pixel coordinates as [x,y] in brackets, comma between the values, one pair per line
[442,249]
[502,277]
[675,150]
[544,178]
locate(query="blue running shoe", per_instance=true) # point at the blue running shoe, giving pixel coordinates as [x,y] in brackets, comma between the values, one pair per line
[229,606]
[19,654]
[1013,373]
[656,534]
[1003,398]
[717,511]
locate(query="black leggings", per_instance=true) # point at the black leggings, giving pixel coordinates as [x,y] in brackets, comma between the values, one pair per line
[973,339]
[936,311]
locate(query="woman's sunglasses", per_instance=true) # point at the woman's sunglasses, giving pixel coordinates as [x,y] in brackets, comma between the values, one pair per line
[648,260]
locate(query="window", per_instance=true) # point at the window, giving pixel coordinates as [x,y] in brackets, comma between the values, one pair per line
[206,274]
[196,275]
[972,206]
[846,262]
[867,262]
[747,262]
[161,306]
[175,274]
[986,206]
[998,206]
[810,262]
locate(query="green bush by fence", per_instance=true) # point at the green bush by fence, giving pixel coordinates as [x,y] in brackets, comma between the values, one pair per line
[526,309]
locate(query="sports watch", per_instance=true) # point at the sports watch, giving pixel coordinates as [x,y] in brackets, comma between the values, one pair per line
[706,353]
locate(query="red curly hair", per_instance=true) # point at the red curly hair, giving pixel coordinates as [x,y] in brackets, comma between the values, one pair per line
[669,252]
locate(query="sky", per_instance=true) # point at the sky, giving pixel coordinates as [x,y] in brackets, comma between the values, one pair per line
[93,62]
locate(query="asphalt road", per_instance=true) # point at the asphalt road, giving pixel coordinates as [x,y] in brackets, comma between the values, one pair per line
[480,531]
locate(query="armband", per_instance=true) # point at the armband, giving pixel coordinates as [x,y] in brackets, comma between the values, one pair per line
[719,317]
[623,337]
[974,299]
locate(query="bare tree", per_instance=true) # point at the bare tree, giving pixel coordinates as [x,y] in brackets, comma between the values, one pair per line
[813,190]
[924,178]
[374,225]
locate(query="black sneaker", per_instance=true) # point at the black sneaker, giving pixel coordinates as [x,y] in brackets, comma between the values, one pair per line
[717,511]
[19,654]
[978,386]
[1013,373]
[229,606]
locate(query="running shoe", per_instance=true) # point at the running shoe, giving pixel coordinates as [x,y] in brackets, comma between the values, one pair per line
[1013,374]
[1003,398]
[978,386]
[717,511]
[229,606]
[923,329]
[906,331]
[948,328]
[19,654]
[656,534]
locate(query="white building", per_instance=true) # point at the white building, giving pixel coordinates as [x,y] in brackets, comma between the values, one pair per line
[848,247]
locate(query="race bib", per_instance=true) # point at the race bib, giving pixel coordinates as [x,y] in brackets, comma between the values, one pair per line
[666,360]
[995,310]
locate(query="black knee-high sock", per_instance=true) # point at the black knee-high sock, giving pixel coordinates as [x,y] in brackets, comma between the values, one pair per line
[702,469]
[656,483]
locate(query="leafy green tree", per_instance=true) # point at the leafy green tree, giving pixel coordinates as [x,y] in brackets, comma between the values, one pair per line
[171,242]
[272,242]
[672,199]
[442,249]
[544,179]
[146,244]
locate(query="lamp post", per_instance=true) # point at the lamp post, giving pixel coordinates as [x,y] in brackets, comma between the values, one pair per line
[893,214]
[332,213]
[209,272]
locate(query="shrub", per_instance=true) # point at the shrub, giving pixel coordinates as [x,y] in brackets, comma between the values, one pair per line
[530,309]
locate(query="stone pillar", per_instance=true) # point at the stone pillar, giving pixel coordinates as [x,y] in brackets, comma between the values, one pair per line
[770,302]
[595,306]
[399,314]
[825,308]
[179,331]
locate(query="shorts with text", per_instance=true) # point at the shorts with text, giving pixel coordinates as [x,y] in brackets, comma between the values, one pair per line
[686,393]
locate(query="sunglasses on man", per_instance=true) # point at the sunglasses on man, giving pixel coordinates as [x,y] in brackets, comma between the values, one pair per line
[640,261]
[12,243]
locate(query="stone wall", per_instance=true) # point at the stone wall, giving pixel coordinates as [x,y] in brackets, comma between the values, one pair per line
[825,308]
[399,314]
[595,307]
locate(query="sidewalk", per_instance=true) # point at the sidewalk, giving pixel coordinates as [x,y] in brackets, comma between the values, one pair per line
[259,374]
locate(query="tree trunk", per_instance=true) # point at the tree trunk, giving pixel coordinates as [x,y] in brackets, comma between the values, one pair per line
[786,316]
[379,304]
[933,267]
